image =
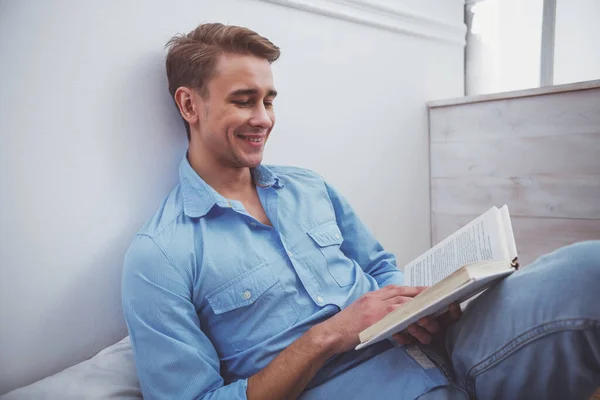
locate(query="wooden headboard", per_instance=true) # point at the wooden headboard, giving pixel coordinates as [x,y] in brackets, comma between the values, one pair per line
[536,150]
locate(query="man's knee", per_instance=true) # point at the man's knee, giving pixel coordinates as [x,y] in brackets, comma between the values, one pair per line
[580,258]
[566,278]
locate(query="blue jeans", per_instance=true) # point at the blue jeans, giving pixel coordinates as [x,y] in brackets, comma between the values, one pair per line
[535,335]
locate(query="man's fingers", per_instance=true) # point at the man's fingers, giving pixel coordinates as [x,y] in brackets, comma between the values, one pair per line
[404,339]
[420,334]
[422,331]
[396,301]
[452,315]
[430,324]
[395,291]
[455,311]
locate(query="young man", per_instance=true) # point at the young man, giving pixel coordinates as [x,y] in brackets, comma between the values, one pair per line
[254,282]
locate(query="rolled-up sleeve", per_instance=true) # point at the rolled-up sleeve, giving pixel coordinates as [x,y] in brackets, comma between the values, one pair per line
[174,358]
[360,244]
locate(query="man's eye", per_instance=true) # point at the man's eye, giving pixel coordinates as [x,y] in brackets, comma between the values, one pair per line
[241,103]
[268,104]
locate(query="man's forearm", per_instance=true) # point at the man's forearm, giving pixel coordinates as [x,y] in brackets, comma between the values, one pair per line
[288,374]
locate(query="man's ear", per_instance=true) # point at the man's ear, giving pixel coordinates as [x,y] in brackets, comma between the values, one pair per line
[186,100]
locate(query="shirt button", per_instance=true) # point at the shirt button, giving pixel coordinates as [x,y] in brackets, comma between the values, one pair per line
[289,253]
[252,223]
[247,294]
[319,299]
[337,236]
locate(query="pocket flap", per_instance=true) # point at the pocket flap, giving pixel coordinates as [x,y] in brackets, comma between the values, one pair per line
[327,234]
[242,290]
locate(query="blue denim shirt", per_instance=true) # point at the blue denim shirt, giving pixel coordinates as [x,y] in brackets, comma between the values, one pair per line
[211,295]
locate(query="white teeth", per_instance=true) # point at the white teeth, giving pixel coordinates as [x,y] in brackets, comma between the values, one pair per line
[255,140]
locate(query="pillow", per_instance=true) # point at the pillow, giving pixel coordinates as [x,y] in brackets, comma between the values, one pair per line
[110,374]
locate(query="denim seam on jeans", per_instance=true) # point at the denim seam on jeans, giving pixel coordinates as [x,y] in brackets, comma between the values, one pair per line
[522,340]
[437,360]
[443,367]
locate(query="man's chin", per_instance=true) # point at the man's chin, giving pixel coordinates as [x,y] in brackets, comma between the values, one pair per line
[254,164]
[251,162]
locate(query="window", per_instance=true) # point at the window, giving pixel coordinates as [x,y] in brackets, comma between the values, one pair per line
[522,44]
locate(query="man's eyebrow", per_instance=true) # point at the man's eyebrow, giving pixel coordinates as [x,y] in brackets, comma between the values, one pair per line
[251,92]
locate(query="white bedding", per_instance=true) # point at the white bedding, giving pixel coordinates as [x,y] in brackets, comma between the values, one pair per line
[110,374]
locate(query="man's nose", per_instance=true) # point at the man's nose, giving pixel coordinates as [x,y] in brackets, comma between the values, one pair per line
[261,117]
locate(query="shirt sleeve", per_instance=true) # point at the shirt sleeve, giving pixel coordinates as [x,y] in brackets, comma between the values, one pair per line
[174,358]
[360,245]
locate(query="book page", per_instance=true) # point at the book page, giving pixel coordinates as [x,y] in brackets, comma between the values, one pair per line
[482,239]
[510,236]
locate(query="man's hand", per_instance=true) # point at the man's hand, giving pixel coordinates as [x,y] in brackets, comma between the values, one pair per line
[426,327]
[288,374]
[346,325]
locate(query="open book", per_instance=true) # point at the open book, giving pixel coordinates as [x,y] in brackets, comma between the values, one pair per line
[456,269]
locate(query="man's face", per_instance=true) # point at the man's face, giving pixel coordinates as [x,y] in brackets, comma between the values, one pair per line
[237,116]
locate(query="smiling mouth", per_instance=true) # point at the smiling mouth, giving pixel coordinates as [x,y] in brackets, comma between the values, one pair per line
[252,139]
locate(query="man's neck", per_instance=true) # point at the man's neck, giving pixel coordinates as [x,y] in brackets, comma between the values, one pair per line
[229,182]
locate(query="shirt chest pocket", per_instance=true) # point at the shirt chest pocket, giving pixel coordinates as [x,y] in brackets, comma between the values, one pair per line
[248,310]
[328,239]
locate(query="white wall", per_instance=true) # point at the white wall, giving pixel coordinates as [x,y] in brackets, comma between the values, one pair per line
[577,41]
[90,141]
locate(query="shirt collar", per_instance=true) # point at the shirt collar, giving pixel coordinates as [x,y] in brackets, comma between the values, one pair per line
[199,197]
[264,177]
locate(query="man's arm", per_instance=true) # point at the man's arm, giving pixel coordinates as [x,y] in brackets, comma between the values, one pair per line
[360,245]
[289,373]
[175,359]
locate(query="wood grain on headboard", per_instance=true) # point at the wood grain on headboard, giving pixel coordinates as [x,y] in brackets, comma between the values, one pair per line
[536,150]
